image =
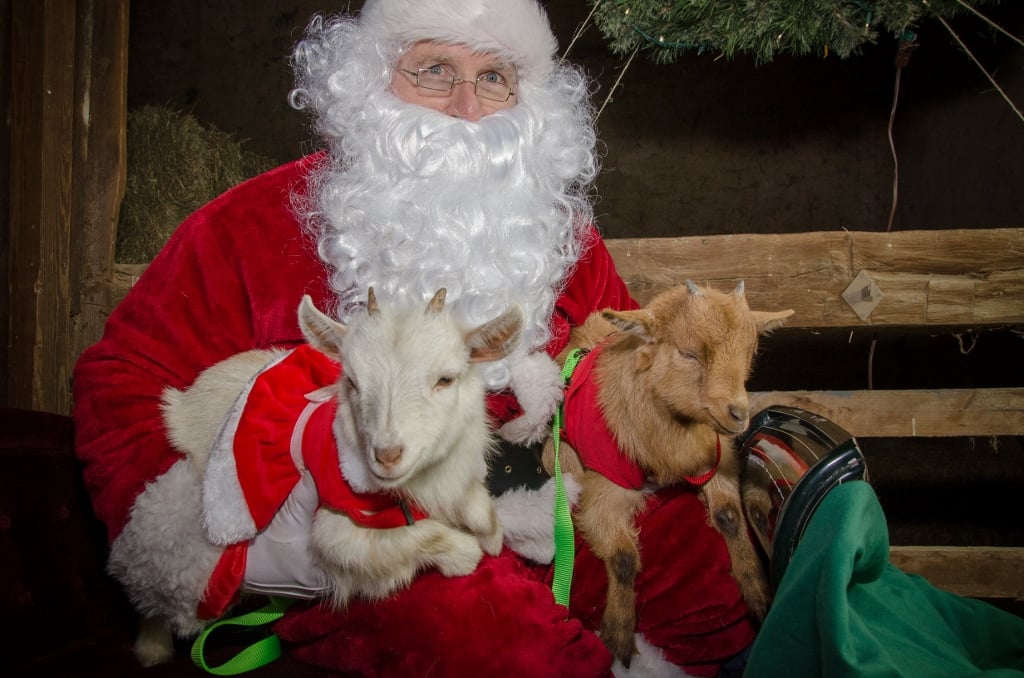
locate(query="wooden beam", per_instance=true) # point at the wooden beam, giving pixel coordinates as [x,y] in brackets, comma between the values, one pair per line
[5,193]
[948,277]
[907,413]
[974,571]
[69,75]
[101,96]
[125,275]
[42,92]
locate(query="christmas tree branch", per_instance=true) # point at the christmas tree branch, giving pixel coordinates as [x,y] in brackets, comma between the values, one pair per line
[664,29]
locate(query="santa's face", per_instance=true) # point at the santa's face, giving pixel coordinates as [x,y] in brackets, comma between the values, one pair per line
[479,84]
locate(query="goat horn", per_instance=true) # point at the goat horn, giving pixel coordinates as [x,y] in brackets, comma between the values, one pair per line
[740,289]
[371,303]
[693,289]
[437,302]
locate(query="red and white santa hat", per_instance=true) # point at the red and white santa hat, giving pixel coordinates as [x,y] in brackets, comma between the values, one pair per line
[518,30]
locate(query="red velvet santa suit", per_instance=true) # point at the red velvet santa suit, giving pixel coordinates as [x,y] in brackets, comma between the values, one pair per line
[230,280]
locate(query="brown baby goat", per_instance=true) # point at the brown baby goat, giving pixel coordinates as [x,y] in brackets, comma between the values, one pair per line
[671,388]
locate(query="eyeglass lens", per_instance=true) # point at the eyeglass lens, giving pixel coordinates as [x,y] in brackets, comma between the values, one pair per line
[440,79]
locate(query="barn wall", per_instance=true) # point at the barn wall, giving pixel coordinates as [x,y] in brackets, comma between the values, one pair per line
[704,145]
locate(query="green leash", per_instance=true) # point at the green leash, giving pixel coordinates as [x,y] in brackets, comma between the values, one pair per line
[260,653]
[565,541]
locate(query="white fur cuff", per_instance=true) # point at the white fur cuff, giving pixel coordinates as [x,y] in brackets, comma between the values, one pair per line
[527,518]
[536,380]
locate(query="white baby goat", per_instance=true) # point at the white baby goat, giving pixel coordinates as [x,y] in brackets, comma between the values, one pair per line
[410,421]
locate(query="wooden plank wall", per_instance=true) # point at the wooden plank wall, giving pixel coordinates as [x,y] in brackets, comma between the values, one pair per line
[42,96]
[68,111]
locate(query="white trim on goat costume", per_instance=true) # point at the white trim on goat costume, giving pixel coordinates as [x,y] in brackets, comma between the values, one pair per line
[231,522]
[281,426]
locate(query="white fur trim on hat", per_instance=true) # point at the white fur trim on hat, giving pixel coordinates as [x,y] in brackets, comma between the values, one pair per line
[516,29]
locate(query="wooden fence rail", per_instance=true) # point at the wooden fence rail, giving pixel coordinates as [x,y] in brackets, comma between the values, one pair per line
[951,277]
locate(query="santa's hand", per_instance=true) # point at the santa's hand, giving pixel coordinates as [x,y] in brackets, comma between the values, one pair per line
[537,384]
[278,562]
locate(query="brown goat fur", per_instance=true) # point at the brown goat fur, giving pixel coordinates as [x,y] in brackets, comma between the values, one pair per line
[671,380]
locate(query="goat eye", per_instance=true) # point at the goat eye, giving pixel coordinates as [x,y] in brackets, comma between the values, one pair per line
[444,382]
[688,355]
[351,383]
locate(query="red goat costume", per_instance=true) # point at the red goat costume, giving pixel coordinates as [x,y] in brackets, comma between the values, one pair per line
[230,280]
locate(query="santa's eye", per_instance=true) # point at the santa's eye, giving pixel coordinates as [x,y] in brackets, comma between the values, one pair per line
[438,71]
[492,78]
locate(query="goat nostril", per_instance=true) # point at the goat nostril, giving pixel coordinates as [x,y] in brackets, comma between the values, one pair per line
[388,456]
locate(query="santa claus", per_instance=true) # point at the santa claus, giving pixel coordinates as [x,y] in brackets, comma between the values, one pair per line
[460,153]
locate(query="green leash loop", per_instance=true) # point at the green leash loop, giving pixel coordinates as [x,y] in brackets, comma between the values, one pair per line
[565,541]
[260,653]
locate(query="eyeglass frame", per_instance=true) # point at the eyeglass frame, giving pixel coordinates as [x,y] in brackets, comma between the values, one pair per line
[455,81]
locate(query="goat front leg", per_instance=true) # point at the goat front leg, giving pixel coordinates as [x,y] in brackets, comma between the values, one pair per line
[725,513]
[375,563]
[480,517]
[568,458]
[606,518]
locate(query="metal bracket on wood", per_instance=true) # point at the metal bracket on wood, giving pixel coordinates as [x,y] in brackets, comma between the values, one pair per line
[863,295]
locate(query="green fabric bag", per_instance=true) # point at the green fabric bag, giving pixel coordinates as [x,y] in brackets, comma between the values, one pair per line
[842,609]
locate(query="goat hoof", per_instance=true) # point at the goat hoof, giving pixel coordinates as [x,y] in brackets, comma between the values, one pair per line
[754,589]
[462,556]
[492,543]
[154,643]
[758,604]
[621,643]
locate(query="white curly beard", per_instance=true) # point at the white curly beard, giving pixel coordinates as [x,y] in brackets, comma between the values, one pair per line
[495,211]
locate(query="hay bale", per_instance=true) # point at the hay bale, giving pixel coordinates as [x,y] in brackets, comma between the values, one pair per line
[175,165]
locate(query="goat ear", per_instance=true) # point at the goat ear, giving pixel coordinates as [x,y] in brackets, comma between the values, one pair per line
[496,339]
[322,332]
[639,322]
[768,321]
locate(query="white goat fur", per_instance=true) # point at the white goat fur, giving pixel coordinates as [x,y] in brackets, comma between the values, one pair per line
[409,388]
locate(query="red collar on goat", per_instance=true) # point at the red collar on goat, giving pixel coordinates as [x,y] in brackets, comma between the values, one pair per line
[586,430]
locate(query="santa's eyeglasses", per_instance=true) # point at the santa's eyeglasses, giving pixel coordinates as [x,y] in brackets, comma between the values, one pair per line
[439,79]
